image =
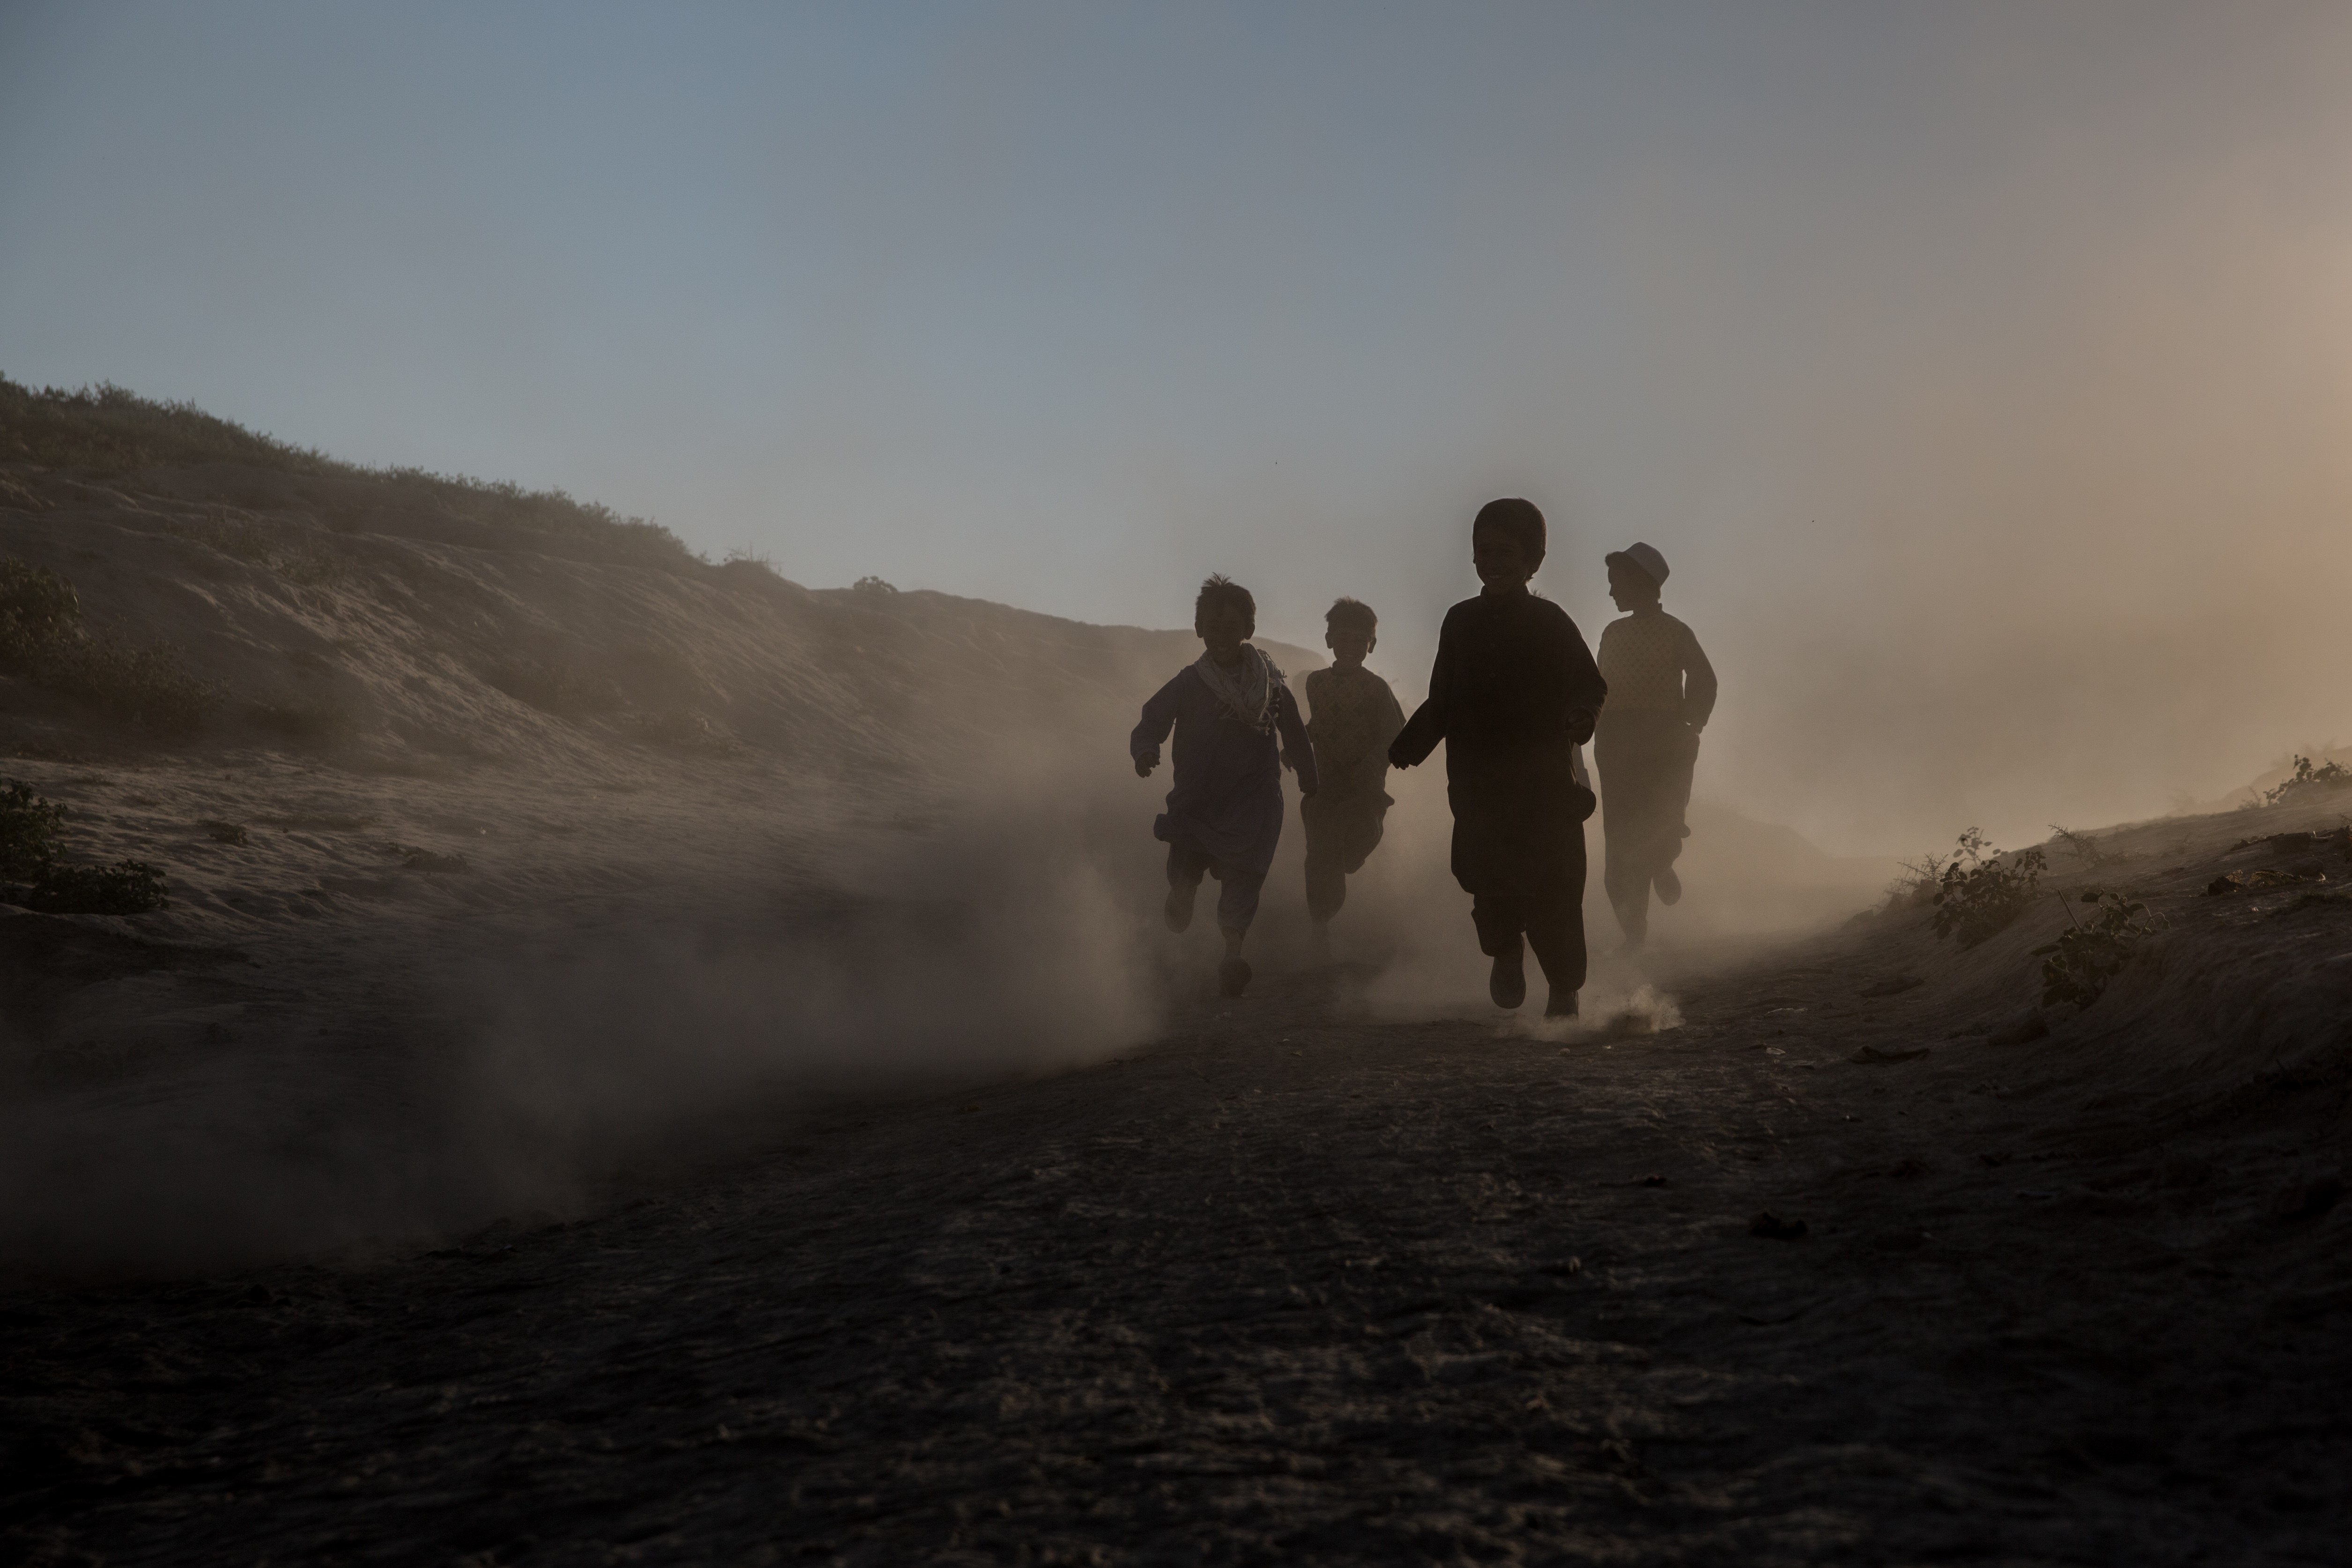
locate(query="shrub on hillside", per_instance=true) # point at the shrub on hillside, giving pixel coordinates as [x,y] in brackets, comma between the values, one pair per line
[109,429]
[1979,896]
[125,887]
[2308,780]
[145,684]
[28,853]
[29,832]
[39,613]
[2078,965]
[42,636]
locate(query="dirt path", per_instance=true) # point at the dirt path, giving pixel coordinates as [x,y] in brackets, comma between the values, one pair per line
[1293,1284]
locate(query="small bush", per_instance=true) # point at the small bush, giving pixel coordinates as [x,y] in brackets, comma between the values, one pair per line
[125,887]
[2078,965]
[228,832]
[2082,846]
[39,613]
[146,685]
[1978,896]
[42,636]
[872,586]
[2307,780]
[29,832]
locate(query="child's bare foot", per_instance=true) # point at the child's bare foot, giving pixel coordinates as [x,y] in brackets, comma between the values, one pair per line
[1509,983]
[1180,904]
[1561,1005]
[1232,975]
[1670,887]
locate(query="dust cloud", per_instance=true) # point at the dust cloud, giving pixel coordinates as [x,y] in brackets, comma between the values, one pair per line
[522,1067]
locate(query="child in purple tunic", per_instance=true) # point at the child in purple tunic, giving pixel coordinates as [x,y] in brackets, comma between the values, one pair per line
[1225,814]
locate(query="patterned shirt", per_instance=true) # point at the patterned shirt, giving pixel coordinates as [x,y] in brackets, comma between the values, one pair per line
[1653,665]
[1352,717]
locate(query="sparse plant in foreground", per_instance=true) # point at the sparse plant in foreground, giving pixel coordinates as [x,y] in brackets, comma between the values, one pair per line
[1917,884]
[2081,845]
[29,832]
[1982,893]
[28,853]
[2307,780]
[2078,965]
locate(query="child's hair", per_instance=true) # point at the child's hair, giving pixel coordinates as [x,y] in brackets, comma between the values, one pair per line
[1351,614]
[1515,518]
[1222,590]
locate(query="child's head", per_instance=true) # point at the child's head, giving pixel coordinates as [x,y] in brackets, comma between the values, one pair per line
[1223,616]
[1506,543]
[1349,631]
[1636,575]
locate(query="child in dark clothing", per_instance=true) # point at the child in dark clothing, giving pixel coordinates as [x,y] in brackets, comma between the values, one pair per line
[1661,691]
[1513,692]
[1352,718]
[1225,814]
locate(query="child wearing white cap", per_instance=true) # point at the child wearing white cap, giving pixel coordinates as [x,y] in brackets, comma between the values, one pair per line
[1660,692]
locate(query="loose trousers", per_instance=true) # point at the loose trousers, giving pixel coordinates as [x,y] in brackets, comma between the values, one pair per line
[1238,889]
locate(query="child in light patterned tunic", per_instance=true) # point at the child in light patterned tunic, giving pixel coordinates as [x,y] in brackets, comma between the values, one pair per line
[1660,692]
[1236,729]
[1352,718]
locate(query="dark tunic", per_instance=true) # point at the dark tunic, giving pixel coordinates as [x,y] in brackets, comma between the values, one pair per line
[1508,673]
[1227,799]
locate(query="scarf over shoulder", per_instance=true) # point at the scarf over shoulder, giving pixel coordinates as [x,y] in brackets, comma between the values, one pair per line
[1246,689]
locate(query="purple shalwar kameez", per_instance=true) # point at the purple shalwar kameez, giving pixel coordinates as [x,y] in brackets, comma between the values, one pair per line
[1224,812]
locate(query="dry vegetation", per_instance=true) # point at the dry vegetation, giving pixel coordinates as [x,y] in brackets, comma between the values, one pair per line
[107,431]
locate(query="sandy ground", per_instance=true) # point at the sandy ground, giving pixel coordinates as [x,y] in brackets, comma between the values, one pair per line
[1303,1278]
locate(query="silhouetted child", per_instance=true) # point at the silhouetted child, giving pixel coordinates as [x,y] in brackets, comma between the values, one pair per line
[1352,715]
[1513,694]
[1661,691]
[1225,814]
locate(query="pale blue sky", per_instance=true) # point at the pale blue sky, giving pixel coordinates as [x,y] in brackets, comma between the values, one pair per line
[1985,371]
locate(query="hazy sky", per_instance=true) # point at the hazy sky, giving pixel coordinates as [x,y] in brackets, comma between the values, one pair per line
[1984,371]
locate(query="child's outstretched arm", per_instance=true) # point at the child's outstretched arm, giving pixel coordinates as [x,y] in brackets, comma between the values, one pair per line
[1159,717]
[1427,726]
[1297,749]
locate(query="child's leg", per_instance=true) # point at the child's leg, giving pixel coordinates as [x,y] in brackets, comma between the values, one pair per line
[1556,931]
[1236,907]
[1185,868]
[1500,921]
[1327,878]
[1237,903]
[1556,935]
[1674,808]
